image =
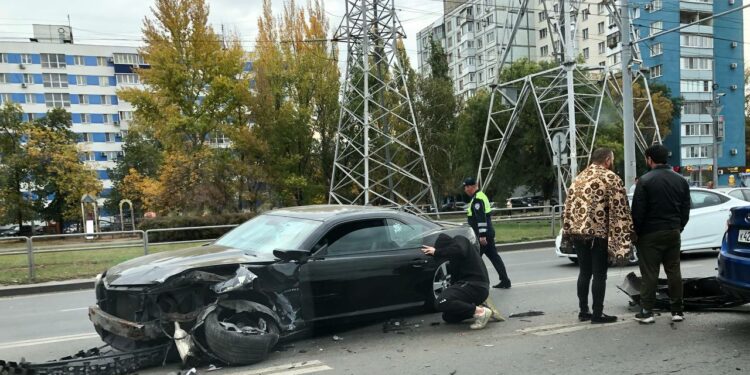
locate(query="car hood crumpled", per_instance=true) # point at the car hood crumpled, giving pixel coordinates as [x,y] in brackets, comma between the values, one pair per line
[156,268]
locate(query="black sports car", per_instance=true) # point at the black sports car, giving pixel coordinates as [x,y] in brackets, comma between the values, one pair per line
[272,278]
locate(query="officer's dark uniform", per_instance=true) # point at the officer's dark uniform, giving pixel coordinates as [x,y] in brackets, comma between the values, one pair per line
[479,217]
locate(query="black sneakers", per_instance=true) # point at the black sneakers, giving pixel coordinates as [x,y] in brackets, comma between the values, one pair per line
[645,317]
[603,319]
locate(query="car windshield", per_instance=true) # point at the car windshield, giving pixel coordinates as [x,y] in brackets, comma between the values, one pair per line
[266,233]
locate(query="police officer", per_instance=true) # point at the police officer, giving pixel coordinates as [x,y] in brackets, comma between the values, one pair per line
[479,217]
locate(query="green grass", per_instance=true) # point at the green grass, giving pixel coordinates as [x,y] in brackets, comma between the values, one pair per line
[87,263]
[520,231]
[66,265]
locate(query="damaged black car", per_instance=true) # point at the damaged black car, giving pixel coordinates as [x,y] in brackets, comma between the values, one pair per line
[270,280]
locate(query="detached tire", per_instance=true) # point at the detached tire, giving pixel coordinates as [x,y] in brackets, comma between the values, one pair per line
[240,348]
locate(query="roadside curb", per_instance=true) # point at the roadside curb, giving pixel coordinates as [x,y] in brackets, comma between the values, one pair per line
[81,284]
[50,287]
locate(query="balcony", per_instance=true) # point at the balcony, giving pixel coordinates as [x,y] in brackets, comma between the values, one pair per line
[697,5]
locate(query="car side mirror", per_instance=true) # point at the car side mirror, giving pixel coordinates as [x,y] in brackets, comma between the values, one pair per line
[292,255]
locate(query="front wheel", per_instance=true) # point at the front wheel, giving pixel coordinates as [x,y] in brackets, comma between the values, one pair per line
[441,280]
[240,338]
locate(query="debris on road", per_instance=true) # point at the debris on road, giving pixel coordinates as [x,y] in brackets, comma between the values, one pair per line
[699,293]
[400,325]
[526,314]
[337,338]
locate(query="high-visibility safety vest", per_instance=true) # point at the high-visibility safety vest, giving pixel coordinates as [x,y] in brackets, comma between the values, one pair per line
[481,196]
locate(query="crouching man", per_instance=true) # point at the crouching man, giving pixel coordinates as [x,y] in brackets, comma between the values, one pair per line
[467,297]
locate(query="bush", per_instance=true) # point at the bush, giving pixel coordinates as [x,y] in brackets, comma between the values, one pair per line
[167,222]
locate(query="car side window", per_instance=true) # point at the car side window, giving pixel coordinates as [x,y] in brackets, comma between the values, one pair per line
[405,235]
[357,237]
[746,193]
[737,194]
[701,199]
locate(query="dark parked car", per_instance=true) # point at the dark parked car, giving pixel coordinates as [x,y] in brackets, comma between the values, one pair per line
[25,230]
[734,257]
[272,278]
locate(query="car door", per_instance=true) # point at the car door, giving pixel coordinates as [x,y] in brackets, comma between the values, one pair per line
[357,269]
[709,212]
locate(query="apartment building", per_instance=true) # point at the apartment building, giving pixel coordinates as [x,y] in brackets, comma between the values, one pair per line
[50,71]
[700,63]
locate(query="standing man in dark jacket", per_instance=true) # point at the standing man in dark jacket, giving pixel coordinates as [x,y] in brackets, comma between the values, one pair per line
[661,209]
[464,298]
[479,215]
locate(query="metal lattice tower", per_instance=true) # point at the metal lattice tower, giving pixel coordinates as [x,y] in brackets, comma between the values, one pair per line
[568,101]
[379,158]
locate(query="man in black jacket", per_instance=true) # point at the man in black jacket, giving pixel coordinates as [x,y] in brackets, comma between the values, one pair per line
[661,209]
[464,298]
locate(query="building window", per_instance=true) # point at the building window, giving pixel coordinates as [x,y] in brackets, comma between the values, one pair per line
[25,58]
[81,80]
[103,81]
[696,63]
[656,49]
[544,51]
[655,5]
[107,118]
[543,33]
[693,152]
[585,34]
[29,98]
[5,98]
[85,118]
[491,37]
[57,100]
[28,79]
[600,9]
[106,99]
[3,58]
[695,86]
[128,58]
[600,28]
[126,115]
[698,41]
[52,60]
[481,77]
[86,137]
[601,47]
[3,77]
[696,130]
[83,99]
[79,60]
[109,137]
[696,108]
[586,53]
[585,14]
[655,71]
[542,16]
[101,61]
[471,77]
[55,80]
[656,27]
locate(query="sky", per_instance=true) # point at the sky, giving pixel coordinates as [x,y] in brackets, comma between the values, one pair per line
[118,22]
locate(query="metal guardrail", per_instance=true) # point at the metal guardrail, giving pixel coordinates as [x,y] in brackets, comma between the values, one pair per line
[551,213]
[146,242]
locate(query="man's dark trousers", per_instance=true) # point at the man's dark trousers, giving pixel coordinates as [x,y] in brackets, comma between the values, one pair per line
[491,252]
[655,249]
[593,261]
[458,302]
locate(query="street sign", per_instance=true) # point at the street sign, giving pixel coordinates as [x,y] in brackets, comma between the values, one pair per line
[559,142]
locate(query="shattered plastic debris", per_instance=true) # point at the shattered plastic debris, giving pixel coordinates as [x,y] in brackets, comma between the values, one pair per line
[526,314]
[213,368]
[699,293]
[243,277]
[400,325]
[337,338]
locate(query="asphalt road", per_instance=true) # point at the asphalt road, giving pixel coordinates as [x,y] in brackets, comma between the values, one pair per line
[43,327]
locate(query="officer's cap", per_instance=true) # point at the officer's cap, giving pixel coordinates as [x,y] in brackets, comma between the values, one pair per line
[470,181]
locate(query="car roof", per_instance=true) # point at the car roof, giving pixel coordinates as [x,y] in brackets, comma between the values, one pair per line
[325,212]
[724,189]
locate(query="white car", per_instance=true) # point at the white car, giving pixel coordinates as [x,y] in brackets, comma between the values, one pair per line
[709,211]
[736,192]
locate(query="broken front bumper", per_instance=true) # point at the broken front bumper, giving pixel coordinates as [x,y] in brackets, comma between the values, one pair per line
[121,327]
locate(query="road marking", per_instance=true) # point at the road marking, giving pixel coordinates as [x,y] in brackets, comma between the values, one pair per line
[306,367]
[555,329]
[47,340]
[76,309]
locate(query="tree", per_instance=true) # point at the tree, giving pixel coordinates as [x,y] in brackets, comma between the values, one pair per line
[142,158]
[188,100]
[58,178]
[437,107]
[295,103]
[15,206]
